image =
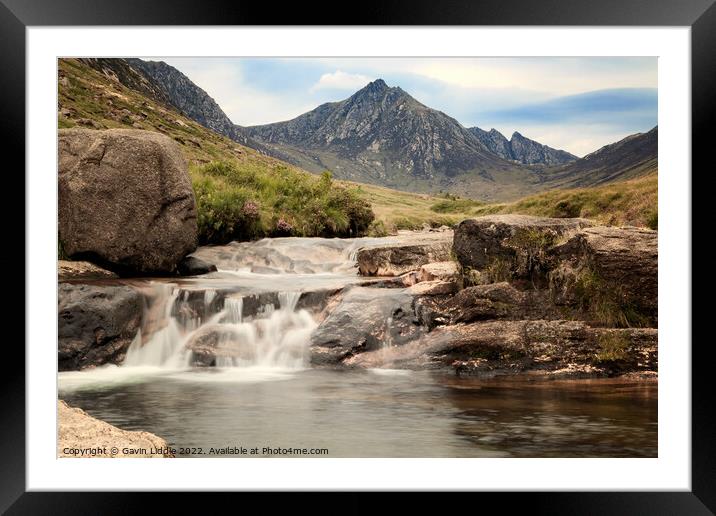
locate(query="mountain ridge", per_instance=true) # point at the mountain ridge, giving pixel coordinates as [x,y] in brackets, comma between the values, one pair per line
[521,149]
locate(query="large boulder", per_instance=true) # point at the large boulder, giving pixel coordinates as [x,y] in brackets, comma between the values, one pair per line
[507,246]
[80,435]
[125,200]
[97,323]
[406,254]
[610,271]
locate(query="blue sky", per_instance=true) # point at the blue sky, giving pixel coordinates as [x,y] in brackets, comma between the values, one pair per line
[576,104]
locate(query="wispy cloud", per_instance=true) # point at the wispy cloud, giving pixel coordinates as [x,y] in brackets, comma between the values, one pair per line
[340,80]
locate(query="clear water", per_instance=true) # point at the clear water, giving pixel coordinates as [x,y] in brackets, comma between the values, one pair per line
[375,413]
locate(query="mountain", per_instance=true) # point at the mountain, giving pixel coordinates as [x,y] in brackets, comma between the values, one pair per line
[634,156]
[382,135]
[166,85]
[521,149]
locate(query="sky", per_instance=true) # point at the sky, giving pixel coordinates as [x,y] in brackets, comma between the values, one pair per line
[575,104]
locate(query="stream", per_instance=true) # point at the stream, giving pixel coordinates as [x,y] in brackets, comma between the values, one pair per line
[251,322]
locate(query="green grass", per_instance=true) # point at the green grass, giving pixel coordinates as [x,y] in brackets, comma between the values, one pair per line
[245,203]
[633,203]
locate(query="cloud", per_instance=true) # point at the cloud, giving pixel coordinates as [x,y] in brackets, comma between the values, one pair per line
[340,80]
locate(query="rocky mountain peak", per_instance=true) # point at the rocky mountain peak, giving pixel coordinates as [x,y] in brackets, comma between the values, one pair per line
[521,149]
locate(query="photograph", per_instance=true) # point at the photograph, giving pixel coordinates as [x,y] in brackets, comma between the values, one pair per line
[357,257]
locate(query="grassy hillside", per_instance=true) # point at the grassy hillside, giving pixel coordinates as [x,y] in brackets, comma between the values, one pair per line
[241,194]
[633,202]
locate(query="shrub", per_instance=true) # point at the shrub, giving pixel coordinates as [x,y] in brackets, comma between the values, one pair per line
[238,201]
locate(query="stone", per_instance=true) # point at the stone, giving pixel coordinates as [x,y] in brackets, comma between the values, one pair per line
[96,324]
[432,288]
[125,200]
[610,270]
[484,302]
[406,254]
[78,431]
[193,266]
[506,246]
[364,319]
[444,271]
[211,343]
[71,271]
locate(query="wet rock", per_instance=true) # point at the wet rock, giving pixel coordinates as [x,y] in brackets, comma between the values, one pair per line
[444,271]
[517,346]
[212,342]
[410,254]
[77,430]
[610,272]
[69,270]
[193,266]
[507,246]
[125,200]
[96,324]
[364,319]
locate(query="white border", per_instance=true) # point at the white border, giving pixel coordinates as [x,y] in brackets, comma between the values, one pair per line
[670,471]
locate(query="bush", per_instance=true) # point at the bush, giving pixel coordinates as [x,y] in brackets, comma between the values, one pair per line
[244,202]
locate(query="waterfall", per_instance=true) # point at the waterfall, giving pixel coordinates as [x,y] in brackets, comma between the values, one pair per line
[221,337]
[201,325]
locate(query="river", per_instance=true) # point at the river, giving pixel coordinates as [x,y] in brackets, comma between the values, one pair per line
[261,392]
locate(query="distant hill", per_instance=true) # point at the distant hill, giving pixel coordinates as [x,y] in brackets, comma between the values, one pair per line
[521,149]
[629,158]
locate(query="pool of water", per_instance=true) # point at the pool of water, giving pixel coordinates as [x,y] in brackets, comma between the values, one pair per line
[372,413]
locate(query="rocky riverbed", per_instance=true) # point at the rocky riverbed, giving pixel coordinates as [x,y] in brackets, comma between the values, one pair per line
[494,297]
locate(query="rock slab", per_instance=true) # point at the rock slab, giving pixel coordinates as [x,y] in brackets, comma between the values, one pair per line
[79,431]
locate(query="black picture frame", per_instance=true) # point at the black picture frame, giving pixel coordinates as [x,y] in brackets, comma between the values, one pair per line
[17,15]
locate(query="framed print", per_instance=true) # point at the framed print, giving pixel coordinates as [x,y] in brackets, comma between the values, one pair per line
[439,249]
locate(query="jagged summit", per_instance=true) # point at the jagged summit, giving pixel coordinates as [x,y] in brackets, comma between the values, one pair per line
[521,149]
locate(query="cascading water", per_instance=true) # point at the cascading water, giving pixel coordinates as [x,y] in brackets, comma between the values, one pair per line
[183,329]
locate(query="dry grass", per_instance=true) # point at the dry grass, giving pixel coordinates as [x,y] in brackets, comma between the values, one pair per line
[632,203]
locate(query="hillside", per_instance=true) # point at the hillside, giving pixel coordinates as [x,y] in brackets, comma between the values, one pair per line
[240,193]
[98,100]
[632,202]
[227,174]
[632,157]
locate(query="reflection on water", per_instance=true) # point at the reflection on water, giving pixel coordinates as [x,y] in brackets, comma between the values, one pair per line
[378,413]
